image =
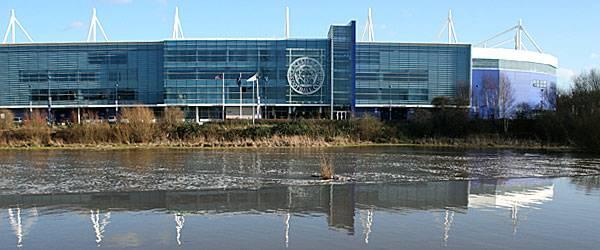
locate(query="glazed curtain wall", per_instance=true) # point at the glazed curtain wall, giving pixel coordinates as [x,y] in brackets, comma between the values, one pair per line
[194,71]
[81,74]
[410,74]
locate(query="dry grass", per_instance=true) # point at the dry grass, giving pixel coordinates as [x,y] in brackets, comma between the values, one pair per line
[327,170]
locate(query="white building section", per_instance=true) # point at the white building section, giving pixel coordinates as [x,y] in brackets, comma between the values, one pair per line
[514,55]
[519,31]
[177,29]
[11,31]
[449,26]
[94,25]
[369,31]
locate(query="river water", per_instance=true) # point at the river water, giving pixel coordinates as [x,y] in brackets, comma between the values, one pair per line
[390,198]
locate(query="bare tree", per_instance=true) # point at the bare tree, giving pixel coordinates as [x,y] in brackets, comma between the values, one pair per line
[462,97]
[490,96]
[524,111]
[506,100]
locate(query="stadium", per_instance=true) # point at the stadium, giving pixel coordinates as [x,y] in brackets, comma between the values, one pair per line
[334,77]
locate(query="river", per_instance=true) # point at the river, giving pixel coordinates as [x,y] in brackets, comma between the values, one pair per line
[389,198]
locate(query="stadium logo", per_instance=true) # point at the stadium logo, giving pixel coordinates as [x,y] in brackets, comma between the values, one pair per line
[306,75]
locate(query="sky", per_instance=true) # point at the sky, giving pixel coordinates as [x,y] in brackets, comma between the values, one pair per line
[565,29]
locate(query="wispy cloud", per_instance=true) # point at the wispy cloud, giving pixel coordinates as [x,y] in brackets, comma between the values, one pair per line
[594,55]
[74,25]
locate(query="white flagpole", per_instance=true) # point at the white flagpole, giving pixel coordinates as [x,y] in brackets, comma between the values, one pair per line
[253,102]
[240,85]
[223,97]
[258,98]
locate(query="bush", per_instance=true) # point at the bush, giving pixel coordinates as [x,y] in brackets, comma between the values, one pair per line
[137,125]
[369,128]
[35,129]
[89,133]
[420,124]
[172,117]
[6,119]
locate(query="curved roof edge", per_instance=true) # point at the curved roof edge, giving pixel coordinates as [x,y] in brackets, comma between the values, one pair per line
[515,55]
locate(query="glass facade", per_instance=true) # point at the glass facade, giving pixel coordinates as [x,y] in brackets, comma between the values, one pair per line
[333,74]
[343,46]
[194,71]
[396,74]
[80,74]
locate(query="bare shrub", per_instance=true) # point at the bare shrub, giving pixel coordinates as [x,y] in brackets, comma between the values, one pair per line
[138,124]
[172,118]
[35,129]
[369,128]
[88,133]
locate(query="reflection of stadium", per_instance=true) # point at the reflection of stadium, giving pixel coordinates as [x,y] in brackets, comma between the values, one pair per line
[340,203]
[510,193]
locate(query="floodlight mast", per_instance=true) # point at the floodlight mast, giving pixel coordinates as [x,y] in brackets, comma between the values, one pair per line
[287,23]
[449,26]
[11,31]
[369,31]
[94,25]
[177,29]
[519,30]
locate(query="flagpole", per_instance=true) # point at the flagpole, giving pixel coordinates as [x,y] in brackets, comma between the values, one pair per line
[240,85]
[253,102]
[258,98]
[223,85]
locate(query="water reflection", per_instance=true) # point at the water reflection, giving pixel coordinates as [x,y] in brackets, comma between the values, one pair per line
[338,203]
[57,171]
[179,220]
[587,183]
[19,228]
[98,225]
[512,194]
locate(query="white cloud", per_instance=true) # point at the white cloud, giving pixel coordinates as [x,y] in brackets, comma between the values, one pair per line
[75,25]
[565,78]
[594,55]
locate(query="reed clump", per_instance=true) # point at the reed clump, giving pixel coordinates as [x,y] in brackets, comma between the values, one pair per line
[326,168]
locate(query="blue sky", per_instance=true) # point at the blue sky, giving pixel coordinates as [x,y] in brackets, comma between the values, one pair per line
[566,29]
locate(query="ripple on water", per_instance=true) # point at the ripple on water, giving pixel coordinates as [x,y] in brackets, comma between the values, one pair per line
[58,171]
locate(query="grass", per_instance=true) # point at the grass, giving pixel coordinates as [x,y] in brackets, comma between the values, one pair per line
[142,129]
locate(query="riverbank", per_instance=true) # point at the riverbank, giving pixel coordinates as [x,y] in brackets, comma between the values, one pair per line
[300,143]
[141,130]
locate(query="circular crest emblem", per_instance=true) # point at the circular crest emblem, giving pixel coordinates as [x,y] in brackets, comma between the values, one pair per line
[306,75]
